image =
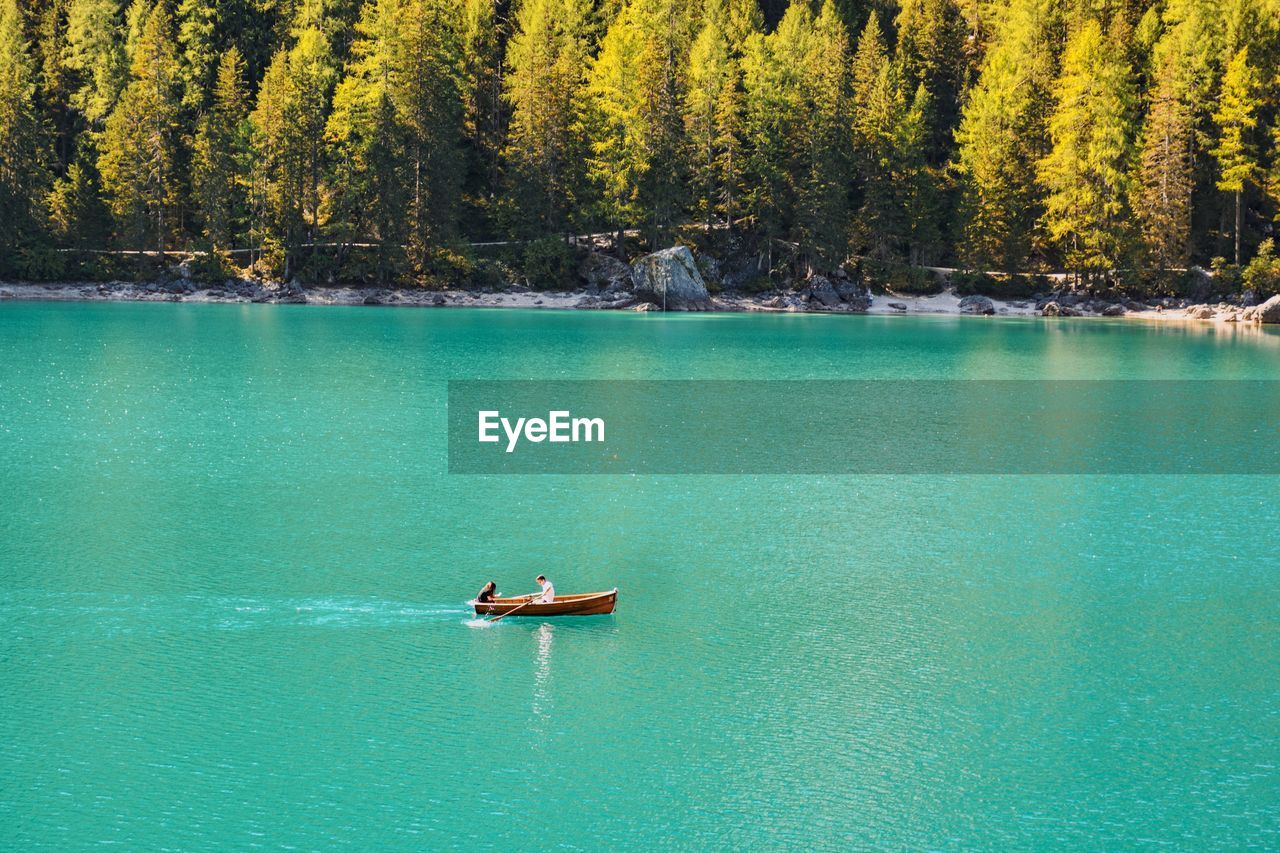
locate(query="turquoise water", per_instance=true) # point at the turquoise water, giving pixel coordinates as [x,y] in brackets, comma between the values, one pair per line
[232,575]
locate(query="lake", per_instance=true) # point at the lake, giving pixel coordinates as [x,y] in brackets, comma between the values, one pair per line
[233,569]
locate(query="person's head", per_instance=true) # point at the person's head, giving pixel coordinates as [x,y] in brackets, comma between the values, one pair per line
[540,579]
[489,587]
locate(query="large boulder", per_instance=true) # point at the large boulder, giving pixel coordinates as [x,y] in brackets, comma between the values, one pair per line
[1269,311]
[671,278]
[1113,310]
[1200,312]
[855,295]
[822,292]
[977,305]
[1053,309]
[605,272]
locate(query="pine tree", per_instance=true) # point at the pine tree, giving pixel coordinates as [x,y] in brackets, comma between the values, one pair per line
[198,56]
[931,52]
[220,158]
[1086,174]
[139,154]
[823,226]
[1002,135]
[428,99]
[878,109]
[55,80]
[546,72]
[742,20]
[635,88]
[916,180]
[1165,179]
[24,175]
[482,98]
[95,52]
[712,117]
[797,104]
[288,124]
[1237,117]
[775,114]
[275,187]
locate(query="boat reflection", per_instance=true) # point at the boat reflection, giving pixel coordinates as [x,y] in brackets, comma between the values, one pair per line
[542,672]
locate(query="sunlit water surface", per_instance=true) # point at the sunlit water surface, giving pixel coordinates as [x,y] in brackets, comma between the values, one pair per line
[232,575]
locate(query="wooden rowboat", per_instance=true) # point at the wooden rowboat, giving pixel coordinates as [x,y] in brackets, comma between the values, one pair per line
[584,604]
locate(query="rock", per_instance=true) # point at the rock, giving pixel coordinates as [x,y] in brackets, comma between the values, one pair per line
[588,302]
[1269,311]
[710,269]
[1134,306]
[1232,316]
[855,295]
[1053,309]
[897,306]
[438,299]
[626,300]
[821,291]
[372,299]
[1200,312]
[1249,298]
[646,306]
[977,305]
[671,278]
[1113,310]
[605,272]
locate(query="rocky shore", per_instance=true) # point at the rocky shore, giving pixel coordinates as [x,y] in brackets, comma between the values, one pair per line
[669,280]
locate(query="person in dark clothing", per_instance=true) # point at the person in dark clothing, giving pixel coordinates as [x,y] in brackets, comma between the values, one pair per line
[487,592]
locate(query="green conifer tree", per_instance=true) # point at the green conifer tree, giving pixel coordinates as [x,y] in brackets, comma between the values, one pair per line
[428,96]
[288,124]
[139,155]
[482,110]
[24,175]
[1002,135]
[1236,118]
[1165,177]
[95,53]
[198,50]
[1086,173]
[635,90]
[220,159]
[546,71]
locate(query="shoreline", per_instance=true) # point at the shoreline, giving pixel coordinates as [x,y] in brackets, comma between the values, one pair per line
[946,303]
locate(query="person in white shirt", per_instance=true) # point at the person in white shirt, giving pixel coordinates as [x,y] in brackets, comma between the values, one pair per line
[548,591]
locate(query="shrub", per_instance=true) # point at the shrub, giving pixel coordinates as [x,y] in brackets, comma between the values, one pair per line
[901,278]
[1226,276]
[444,268]
[968,282]
[36,261]
[270,262]
[214,266]
[1262,275]
[548,264]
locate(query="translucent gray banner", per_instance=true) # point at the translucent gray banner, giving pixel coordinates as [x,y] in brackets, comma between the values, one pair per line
[864,427]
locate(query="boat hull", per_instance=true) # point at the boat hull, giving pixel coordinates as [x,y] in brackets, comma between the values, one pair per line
[585,604]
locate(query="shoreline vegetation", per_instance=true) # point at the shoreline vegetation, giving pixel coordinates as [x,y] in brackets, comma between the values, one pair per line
[805,144]
[668,280]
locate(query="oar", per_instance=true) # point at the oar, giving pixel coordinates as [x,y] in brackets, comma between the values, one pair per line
[514,609]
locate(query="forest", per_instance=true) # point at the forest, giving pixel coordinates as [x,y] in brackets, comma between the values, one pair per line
[401,140]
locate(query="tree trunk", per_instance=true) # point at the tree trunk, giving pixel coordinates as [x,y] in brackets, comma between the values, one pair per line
[1239,216]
